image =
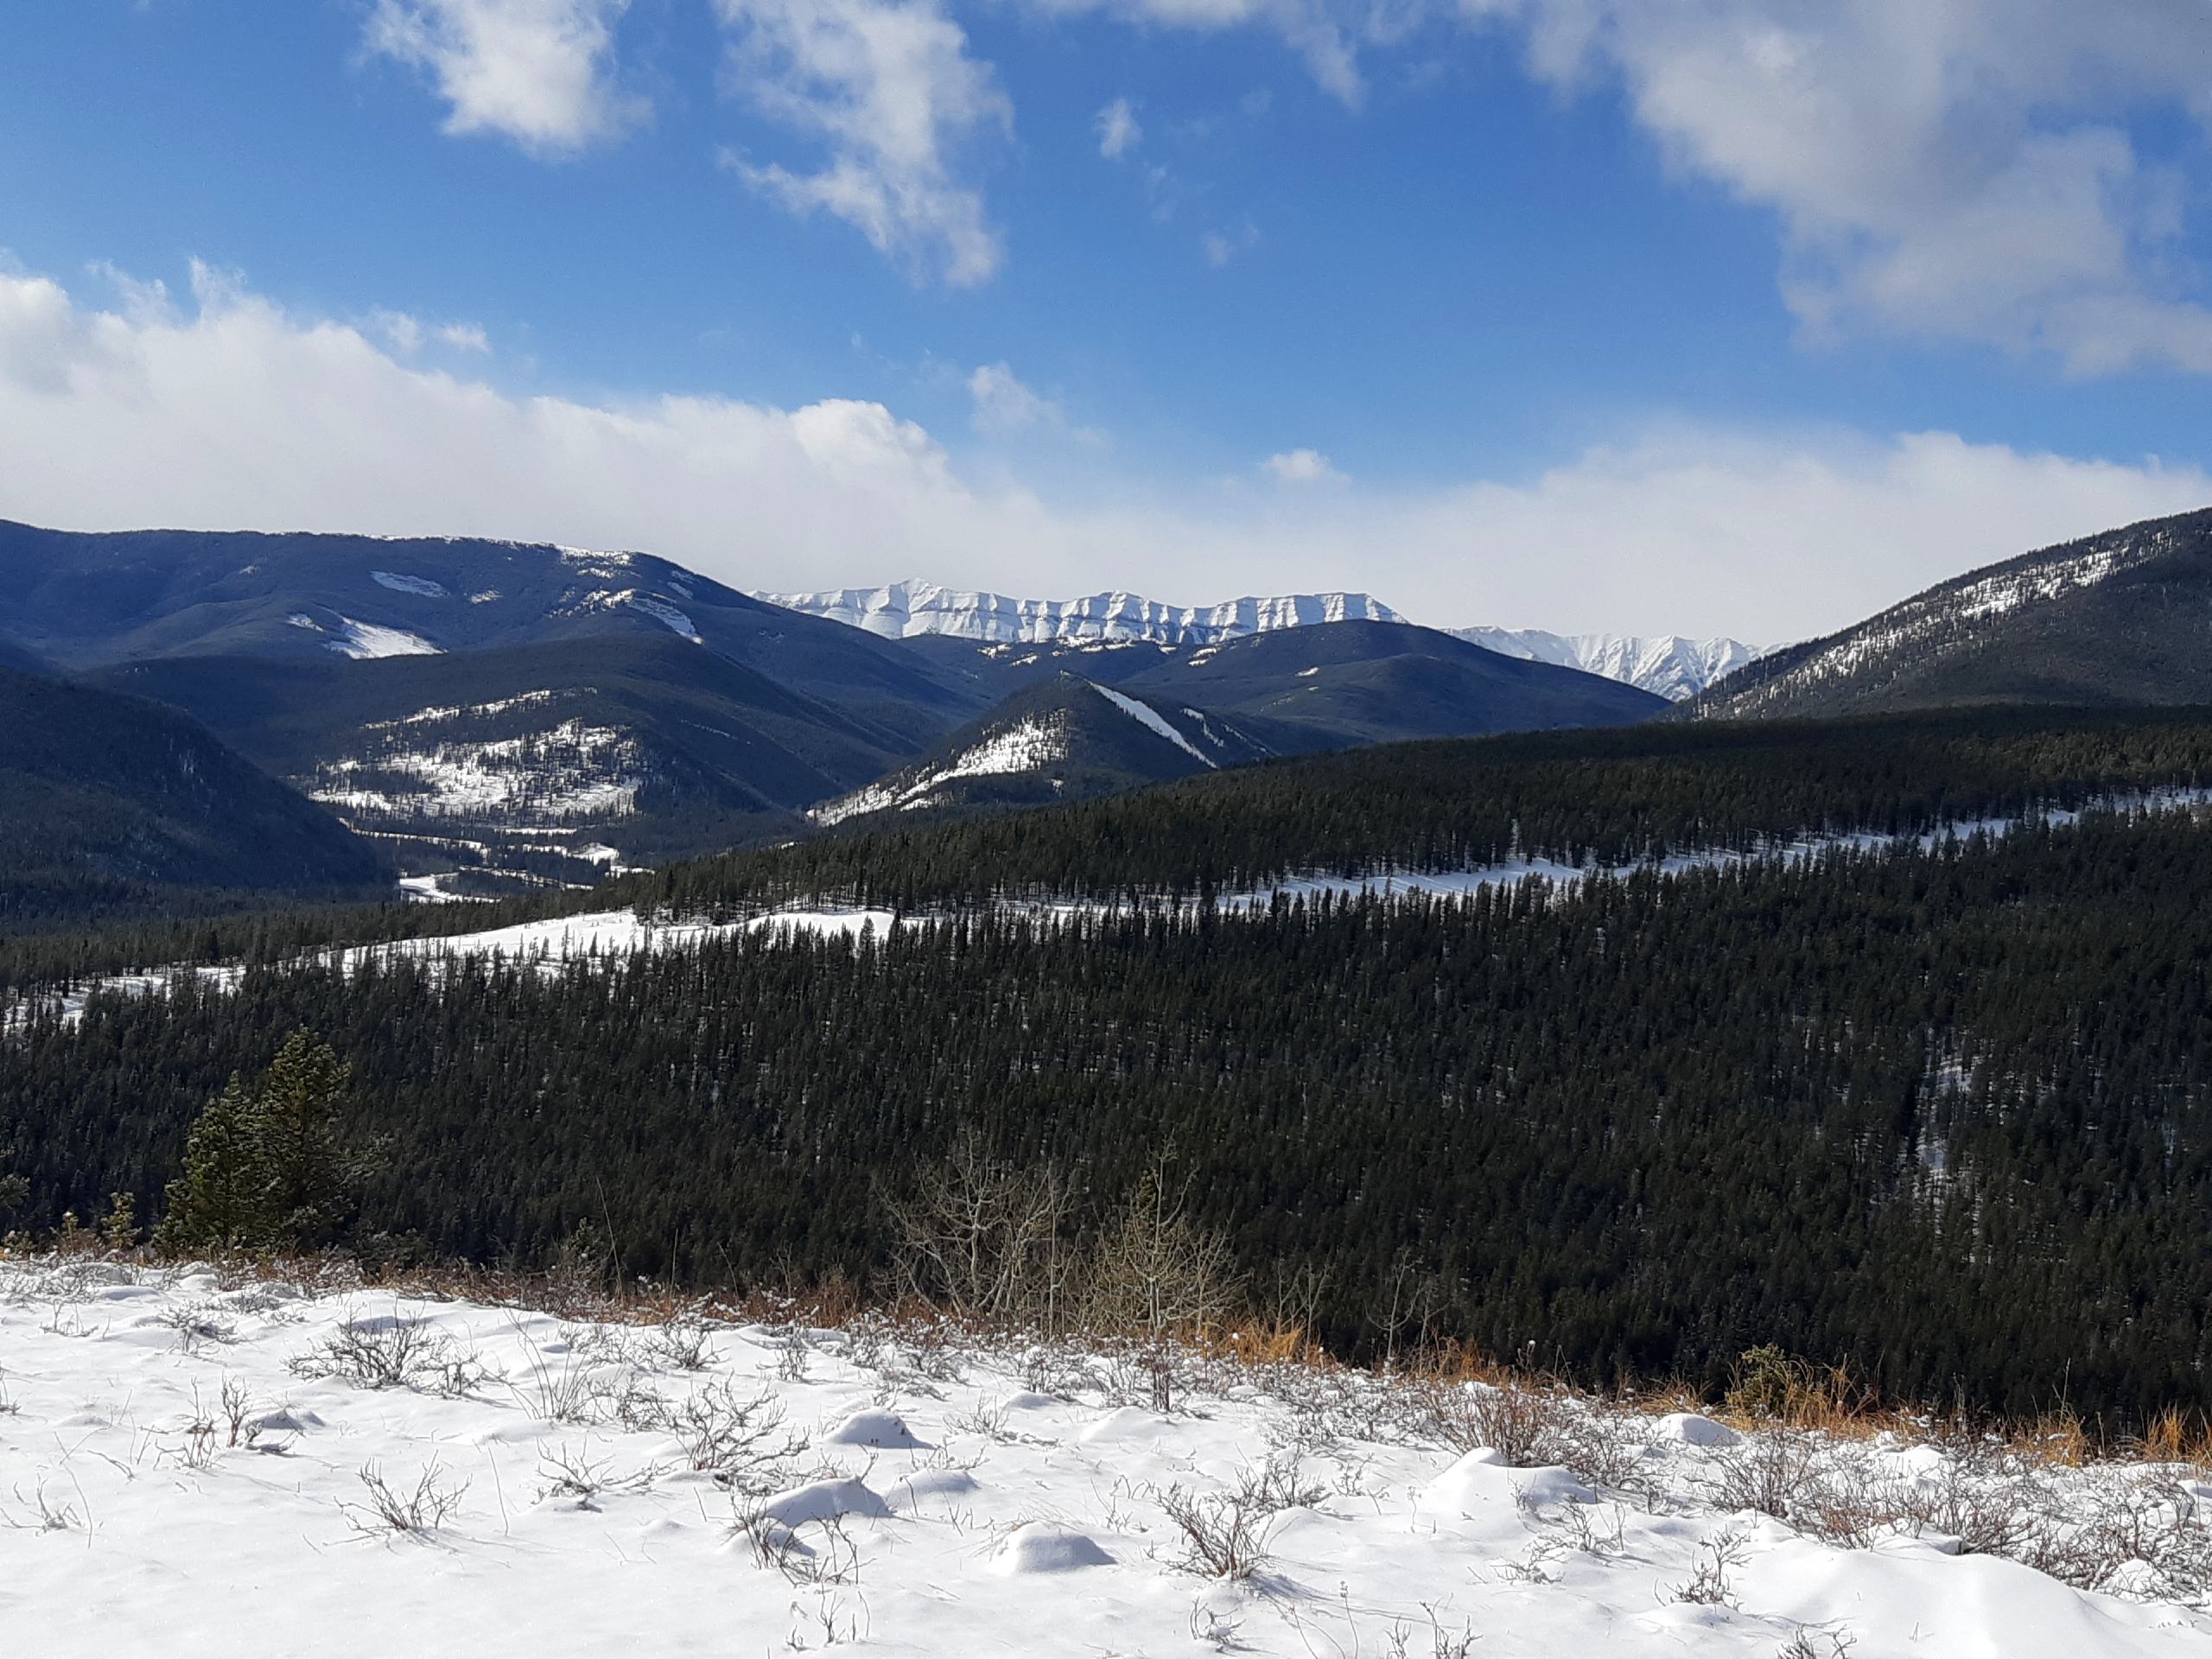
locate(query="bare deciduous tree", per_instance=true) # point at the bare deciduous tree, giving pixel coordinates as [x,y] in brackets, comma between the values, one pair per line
[1160,1277]
[983,1237]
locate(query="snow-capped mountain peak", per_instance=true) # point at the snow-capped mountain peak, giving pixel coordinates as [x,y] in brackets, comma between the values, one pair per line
[901,610]
[1671,664]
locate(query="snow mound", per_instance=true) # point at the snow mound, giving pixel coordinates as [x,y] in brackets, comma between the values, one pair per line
[1048,1547]
[1687,1428]
[824,1500]
[884,1429]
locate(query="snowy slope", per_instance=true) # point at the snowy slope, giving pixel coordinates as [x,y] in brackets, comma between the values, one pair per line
[2118,617]
[186,1470]
[1064,738]
[1029,745]
[1675,667]
[904,610]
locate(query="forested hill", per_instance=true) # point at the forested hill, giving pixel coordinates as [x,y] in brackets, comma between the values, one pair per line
[1606,797]
[116,806]
[1939,1116]
[2117,619]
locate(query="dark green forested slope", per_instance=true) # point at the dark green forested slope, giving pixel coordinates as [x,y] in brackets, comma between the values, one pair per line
[1608,796]
[1943,1116]
[112,806]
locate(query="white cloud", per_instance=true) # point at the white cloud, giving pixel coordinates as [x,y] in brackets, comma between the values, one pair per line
[1004,403]
[1117,129]
[1947,168]
[465,337]
[1302,466]
[539,72]
[237,414]
[888,87]
[1221,246]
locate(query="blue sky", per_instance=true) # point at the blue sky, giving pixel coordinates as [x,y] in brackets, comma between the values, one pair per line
[1740,315]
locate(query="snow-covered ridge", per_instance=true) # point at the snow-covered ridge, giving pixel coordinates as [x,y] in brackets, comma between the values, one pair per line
[1025,746]
[904,610]
[191,1465]
[1923,627]
[1669,664]
[438,717]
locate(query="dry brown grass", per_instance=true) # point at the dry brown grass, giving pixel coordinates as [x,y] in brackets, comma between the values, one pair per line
[2179,1437]
[1770,1390]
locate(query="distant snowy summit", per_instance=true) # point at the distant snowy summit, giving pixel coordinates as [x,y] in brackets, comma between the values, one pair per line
[1672,666]
[904,610]
[1666,664]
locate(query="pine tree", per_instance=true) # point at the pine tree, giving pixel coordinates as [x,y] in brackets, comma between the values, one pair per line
[218,1203]
[266,1166]
[306,1173]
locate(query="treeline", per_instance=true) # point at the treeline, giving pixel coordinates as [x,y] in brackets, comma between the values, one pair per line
[1941,1117]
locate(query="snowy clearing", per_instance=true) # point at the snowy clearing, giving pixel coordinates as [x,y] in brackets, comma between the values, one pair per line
[1153,721]
[191,1470]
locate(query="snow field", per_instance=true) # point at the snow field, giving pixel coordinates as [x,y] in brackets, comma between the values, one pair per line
[187,1469]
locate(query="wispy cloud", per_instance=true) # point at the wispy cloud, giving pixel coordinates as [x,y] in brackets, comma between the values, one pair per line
[890,90]
[539,72]
[1117,129]
[1302,466]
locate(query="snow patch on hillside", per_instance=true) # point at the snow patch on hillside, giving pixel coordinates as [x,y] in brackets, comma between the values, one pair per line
[569,771]
[912,1496]
[667,615]
[421,586]
[361,640]
[1153,720]
[441,715]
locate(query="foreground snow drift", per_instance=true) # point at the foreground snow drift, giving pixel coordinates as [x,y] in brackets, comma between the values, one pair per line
[186,1470]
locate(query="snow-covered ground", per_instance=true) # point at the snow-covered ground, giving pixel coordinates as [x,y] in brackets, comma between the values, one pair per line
[190,1470]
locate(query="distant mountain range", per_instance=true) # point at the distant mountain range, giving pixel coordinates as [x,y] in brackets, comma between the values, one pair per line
[2121,618]
[1667,664]
[496,715]
[489,716]
[905,610]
